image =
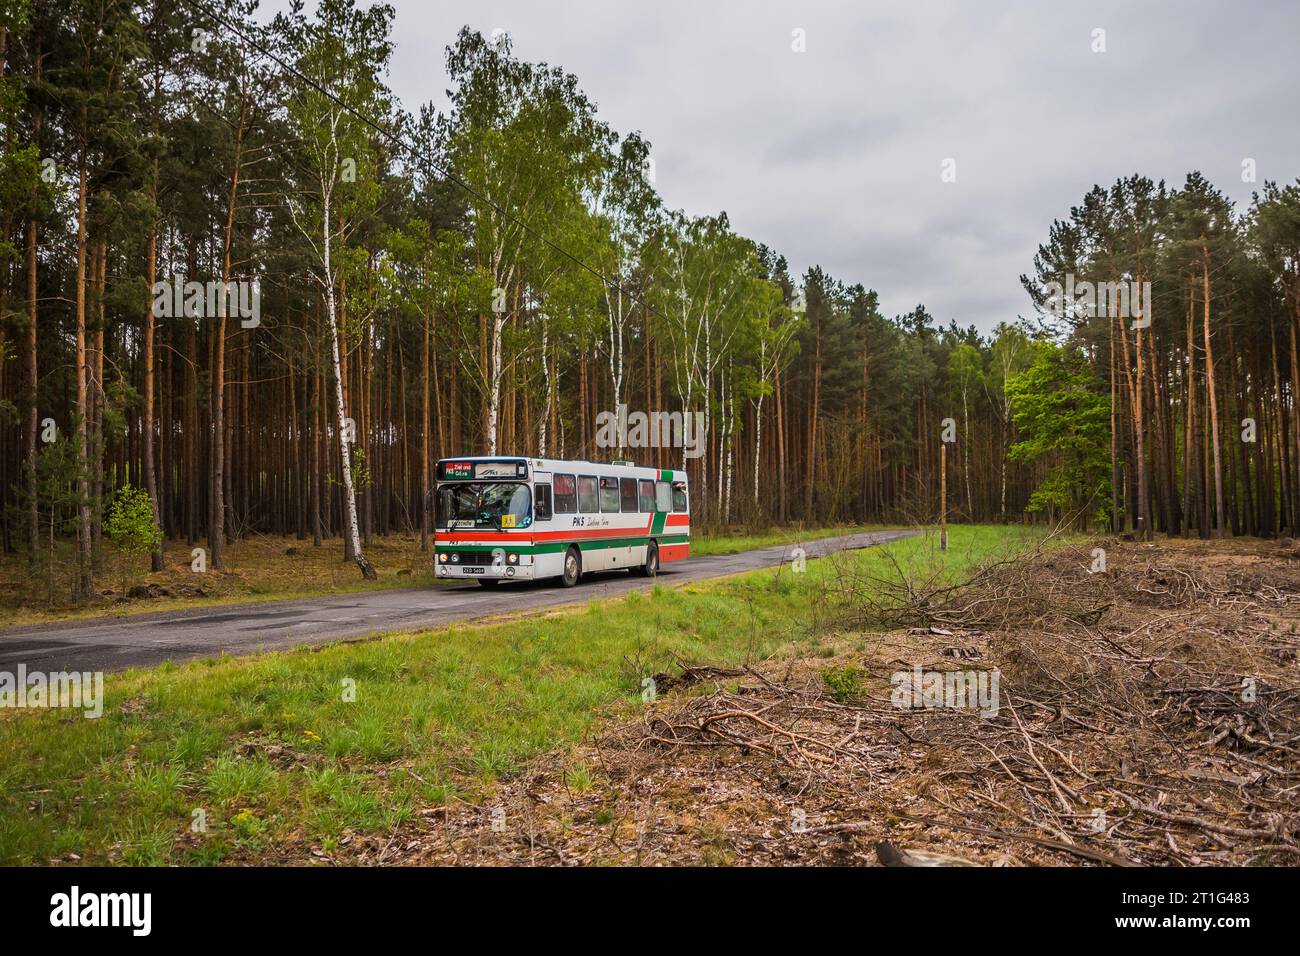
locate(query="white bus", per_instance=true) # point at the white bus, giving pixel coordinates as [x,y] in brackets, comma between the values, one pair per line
[508,518]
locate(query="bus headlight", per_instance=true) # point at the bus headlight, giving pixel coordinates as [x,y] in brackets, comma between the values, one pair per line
[512,558]
[455,557]
[442,558]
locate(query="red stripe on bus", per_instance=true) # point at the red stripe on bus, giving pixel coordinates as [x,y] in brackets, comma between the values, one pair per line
[527,538]
[674,552]
[673,521]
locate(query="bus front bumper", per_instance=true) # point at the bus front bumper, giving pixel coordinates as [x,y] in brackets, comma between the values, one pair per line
[500,572]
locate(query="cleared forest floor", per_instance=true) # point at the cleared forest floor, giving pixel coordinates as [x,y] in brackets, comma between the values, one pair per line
[1149,714]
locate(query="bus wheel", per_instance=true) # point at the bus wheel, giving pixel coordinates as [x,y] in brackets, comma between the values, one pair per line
[651,566]
[572,567]
[488,582]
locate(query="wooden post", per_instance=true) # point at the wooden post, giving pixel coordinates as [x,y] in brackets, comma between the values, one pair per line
[943,496]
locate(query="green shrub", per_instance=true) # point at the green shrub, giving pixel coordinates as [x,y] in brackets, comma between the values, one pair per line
[845,683]
[129,525]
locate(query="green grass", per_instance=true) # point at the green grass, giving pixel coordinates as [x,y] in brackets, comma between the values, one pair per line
[268,748]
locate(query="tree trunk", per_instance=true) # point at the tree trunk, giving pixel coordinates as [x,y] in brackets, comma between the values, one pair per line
[217,504]
[83,410]
[33,366]
[1189,460]
[1115,519]
[424,440]
[345,438]
[33,411]
[150,476]
[1209,386]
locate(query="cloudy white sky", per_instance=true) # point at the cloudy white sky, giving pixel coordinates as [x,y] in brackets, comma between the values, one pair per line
[833,155]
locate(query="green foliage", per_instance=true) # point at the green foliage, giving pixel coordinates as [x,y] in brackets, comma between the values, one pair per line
[15,17]
[846,684]
[58,467]
[1063,420]
[966,369]
[129,523]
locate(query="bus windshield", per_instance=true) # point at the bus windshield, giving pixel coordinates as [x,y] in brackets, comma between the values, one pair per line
[494,505]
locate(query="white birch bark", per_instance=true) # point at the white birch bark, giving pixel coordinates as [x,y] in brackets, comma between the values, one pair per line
[329,166]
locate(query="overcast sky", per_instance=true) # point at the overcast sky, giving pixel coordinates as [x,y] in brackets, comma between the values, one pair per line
[833,156]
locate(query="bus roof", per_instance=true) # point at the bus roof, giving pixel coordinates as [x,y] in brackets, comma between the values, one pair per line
[554,464]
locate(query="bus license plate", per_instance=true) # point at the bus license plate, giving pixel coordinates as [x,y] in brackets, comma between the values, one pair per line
[473,570]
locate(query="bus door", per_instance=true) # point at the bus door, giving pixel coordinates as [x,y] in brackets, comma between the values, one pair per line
[542,506]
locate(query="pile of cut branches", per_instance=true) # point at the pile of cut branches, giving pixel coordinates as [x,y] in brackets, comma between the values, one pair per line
[1134,736]
[915,589]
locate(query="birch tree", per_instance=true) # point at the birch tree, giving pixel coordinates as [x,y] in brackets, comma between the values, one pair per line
[525,141]
[342,52]
[626,206]
[704,285]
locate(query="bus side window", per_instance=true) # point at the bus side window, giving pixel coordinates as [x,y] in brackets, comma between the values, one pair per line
[588,498]
[609,494]
[679,496]
[543,504]
[627,494]
[663,496]
[647,494]
[566,495]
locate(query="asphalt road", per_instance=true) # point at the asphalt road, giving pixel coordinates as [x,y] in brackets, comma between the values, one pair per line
[145,640]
